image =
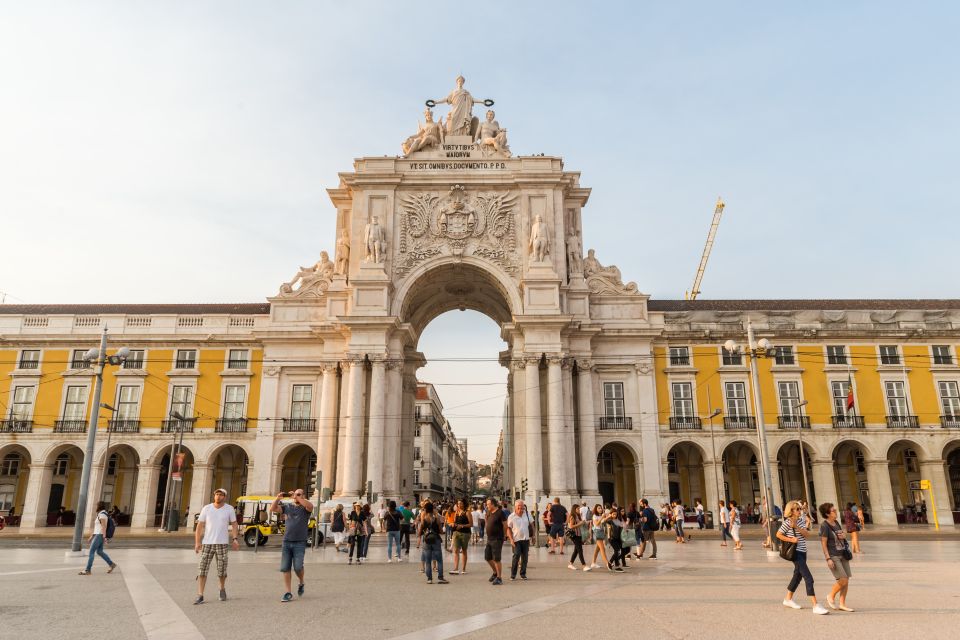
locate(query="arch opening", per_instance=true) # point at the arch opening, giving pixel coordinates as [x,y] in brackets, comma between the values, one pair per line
[685,473]
[617,474]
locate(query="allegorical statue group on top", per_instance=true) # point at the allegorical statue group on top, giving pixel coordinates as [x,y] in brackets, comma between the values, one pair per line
[460,122]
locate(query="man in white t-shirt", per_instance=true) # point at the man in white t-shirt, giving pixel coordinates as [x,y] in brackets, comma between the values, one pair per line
[475,517]
[381,514]
[724,523]
[585,515]
[518,533]
[216,528]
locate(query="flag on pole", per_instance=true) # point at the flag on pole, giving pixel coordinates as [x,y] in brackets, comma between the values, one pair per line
[850,403]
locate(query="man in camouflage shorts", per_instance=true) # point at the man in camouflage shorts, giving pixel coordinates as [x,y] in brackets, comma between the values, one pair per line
[216,528]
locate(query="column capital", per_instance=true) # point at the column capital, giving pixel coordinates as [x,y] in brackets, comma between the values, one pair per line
[271,372]
[378,360]
[584,365]
[932,463]
[328,367]
[352,360]
[555,359]
[393,364]
[643,368]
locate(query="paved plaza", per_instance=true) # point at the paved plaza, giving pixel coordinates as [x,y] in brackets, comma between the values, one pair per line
[900,589]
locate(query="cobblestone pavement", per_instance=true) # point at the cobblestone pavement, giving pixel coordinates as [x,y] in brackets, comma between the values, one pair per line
[899,589]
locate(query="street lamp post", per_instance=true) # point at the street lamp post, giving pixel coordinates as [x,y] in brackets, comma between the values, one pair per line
[174,451]
[803,460]
[101,359]
[759,349]
[106,454]
[713,447]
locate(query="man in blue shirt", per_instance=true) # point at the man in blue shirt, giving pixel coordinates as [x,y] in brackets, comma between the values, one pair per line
[297,519]
[648,518]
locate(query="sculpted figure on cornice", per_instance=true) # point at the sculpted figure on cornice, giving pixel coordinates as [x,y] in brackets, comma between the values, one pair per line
[480,224]
[492,138]
[313,281]
[601,279]
[375,239]
[539,244]
[428,136]
[343,254]
[460,120]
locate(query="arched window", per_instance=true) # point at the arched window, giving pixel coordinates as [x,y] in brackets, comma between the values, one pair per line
[910,461]
[672,466]
[11,465]
[858,461]
[61,465]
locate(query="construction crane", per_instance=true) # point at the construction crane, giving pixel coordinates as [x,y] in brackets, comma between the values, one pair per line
[695,290]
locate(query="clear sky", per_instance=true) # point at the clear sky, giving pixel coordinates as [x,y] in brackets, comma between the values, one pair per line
[180,151]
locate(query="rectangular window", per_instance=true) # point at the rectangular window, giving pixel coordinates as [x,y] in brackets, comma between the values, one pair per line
[181,401]
[949,398]
[836,354]
[233,401]
[302,398]
[112,465]
[736,394]
[942,355]
[889,354]
[417,434]
[896,397]
[683,399]
[416,476]
[789,392]
[186,359]
[134,360]
[783,355]
[29,359]
[61,465]
[838,391]
[22,407]
[77,361]
[613,399]
[731,358]
[75,404]
[128,403]
[238,359]
[416,453]
[10,465]
[679,356]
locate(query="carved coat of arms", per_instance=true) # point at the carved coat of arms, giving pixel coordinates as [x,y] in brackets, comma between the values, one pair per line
[482,225]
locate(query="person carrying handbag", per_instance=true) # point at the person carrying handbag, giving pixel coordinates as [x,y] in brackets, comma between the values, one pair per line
[794,531]
[838,555]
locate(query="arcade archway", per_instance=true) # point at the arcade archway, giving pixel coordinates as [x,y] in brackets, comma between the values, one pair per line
[617,474]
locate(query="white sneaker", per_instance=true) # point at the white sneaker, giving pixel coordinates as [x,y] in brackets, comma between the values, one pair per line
[585,568]
[389,560]
[820,610]
[594,566]
[791,604]
[571,567]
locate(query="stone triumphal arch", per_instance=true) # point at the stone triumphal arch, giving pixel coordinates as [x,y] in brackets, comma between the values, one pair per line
[459,222]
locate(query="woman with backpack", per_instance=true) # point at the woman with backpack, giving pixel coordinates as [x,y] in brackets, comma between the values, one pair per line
[102,532]
[432,532]
[795,530]
[576,528]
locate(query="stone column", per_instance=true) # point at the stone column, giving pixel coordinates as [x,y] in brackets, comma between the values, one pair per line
[327,437]
[712,478]
[778,498]
[534,472]
[201,490]
[260,482]
[569,433]
[353,444]
[653,483]
[825,484]
[935,471]
[36,497]
[97,472]
[391,443]
[882,509]
[145,504]
[378,407]
[555,435]
[588,433]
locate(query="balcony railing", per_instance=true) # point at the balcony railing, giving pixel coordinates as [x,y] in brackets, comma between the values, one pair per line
[679,361]
[185,363]
[847,422]
[739,422]
[178,426]
[70,426]
[793,422]
[238,364]
[950,422]
[15,425]
[231,425]
[29,364]
[903,422]
[622,423]
[296,425]
[124,426]
[80,363]
[685,423]
[133,363]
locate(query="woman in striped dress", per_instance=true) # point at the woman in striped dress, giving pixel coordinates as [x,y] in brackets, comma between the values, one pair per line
[795,528]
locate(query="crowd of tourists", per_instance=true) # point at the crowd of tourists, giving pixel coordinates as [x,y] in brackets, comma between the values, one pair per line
[609,533]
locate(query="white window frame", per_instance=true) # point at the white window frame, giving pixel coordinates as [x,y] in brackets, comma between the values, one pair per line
[61,464]
[14,403]
[843,405]
[792,409]
[725,355]
[881,356]
[678,401]
[243,404]
[844,354]
[680,349]
[7,466]
[787,349]
[121,413]
[231,360]
[142,360]
[727,398]
[614,384]
[39,359]
[65,402]
[949,354]
[294,402]
[173,403]
[888,386]
[954,398]
[177,358]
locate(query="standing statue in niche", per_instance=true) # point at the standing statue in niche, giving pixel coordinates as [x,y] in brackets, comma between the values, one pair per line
[492,139]
[539,240]
[375,240]
[428,135]
[343,254]
[574,254]
[460,120]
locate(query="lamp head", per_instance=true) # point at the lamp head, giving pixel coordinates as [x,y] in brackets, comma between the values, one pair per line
[763,343]
[91,354]
[730,346]
[715,413]
[802,404]
[123,353]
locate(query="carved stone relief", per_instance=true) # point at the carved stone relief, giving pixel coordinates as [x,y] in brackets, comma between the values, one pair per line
[458,224]
[313,281]
[601,279]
